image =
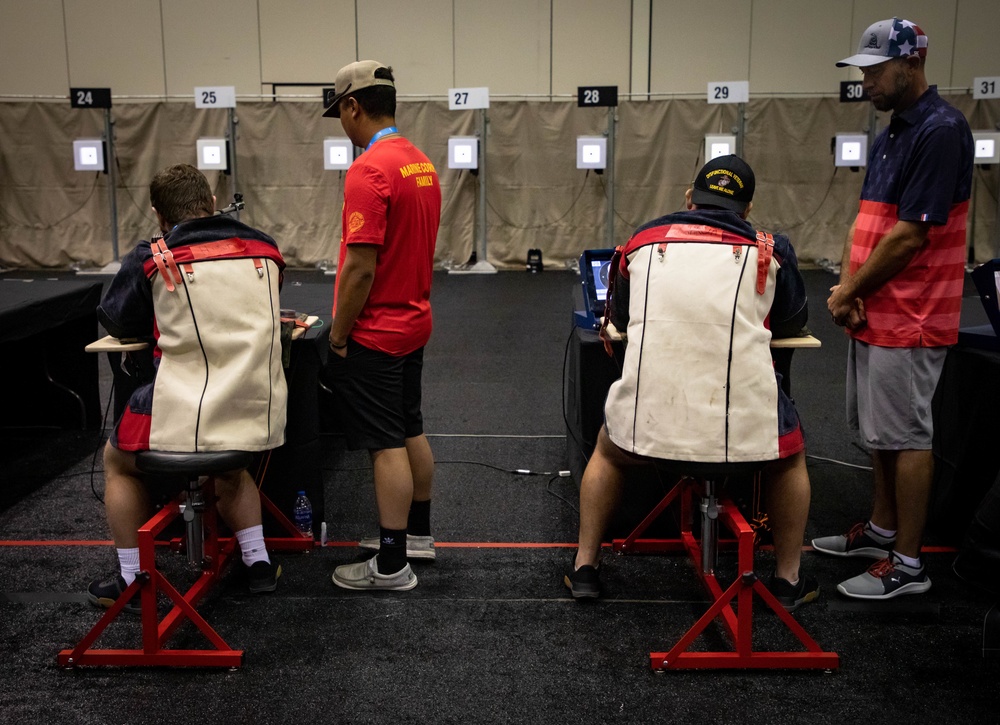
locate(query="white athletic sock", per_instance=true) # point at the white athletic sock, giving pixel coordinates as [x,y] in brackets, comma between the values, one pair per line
[252,545]
[909,560]
[884,533]
[128,562]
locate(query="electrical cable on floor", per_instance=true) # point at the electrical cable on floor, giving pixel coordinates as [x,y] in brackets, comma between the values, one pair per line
[548,489]
[569,428]
[839,463]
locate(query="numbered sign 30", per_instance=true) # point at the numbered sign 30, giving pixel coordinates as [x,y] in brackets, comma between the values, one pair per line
[729,92]
[852,92]
[461,99]
[215,97]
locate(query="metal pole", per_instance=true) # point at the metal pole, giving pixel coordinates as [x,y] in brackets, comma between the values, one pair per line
[996,221]
[610,239]
[231,133]
[740,127]
[112,167]
[482,265]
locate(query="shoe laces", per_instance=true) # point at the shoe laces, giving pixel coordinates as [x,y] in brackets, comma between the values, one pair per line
[855,532]
[882,568]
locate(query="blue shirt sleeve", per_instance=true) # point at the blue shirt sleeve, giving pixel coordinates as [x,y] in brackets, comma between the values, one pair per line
[932,178]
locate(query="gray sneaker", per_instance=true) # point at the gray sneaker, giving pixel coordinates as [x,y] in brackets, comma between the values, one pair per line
[859,541]
[417,547]
[364,575]
[886,579]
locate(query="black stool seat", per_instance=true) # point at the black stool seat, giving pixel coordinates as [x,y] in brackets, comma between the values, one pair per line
[192,464]
[713,471]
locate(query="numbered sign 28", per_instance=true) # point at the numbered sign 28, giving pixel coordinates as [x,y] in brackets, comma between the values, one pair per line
[215,97]
[986,87]
[596,96]
[729,92]
[90,97]
[461,99]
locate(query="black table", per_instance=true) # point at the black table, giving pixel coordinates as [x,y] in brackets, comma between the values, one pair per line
[966,407]
[44,327]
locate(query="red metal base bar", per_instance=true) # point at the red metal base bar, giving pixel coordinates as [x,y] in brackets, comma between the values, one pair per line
[155,633]
[737,624]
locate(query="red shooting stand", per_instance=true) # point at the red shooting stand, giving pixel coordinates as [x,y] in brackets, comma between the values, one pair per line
[150,581]
[737,624]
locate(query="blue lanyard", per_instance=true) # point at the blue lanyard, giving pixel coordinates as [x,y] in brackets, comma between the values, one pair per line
[380,134]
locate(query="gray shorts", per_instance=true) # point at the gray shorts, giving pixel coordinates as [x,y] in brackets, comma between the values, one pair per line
[889,392]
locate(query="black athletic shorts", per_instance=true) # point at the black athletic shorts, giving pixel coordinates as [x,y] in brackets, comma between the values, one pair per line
[376,396]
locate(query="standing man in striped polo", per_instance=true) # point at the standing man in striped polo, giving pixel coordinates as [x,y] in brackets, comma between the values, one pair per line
[899,297]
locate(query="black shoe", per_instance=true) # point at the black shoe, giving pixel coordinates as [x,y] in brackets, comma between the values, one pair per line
[105,594]
[584,583]
[263,576]
[792,597]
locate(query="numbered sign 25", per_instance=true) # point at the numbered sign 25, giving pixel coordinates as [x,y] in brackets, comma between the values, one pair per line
[215,97]
[461,99]
[729,92]
[986,87]
[90,97]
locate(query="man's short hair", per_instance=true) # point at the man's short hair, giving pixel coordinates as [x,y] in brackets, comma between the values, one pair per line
[181,192]
[378,101]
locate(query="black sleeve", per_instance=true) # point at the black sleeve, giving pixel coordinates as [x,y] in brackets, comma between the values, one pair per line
[127,307]
[618,296]
[790,310]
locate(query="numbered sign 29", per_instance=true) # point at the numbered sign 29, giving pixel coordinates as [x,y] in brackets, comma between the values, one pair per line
[986,87]
[729,92]
[90,98]
[215,97]
[852,92]
[461,99]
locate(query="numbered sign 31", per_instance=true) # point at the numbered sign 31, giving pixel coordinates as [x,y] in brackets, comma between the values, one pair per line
[215,97]
[90,98]
[986,87]
[461,99]
[729,92]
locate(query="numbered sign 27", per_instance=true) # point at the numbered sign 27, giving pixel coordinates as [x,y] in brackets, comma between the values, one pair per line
[461,99]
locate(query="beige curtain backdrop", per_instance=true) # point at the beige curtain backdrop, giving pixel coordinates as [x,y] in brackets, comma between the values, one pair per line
[53,216]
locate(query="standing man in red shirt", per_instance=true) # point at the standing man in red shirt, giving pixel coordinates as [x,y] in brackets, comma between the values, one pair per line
[382,320]
[899,297]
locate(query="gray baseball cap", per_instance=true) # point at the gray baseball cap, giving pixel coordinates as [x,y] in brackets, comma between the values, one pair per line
[353,77]
[887,39]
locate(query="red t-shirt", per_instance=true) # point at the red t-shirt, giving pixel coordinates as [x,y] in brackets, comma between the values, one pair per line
[392,199]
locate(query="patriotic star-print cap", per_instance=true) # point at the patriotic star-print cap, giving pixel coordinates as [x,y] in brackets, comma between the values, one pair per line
[887,39]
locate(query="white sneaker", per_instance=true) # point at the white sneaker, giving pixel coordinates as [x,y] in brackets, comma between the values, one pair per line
[417,547]
[364,575]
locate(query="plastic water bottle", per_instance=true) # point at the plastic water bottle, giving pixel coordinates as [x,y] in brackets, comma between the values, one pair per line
[303,514]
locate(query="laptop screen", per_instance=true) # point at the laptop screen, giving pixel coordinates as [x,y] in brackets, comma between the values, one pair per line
[594,268]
